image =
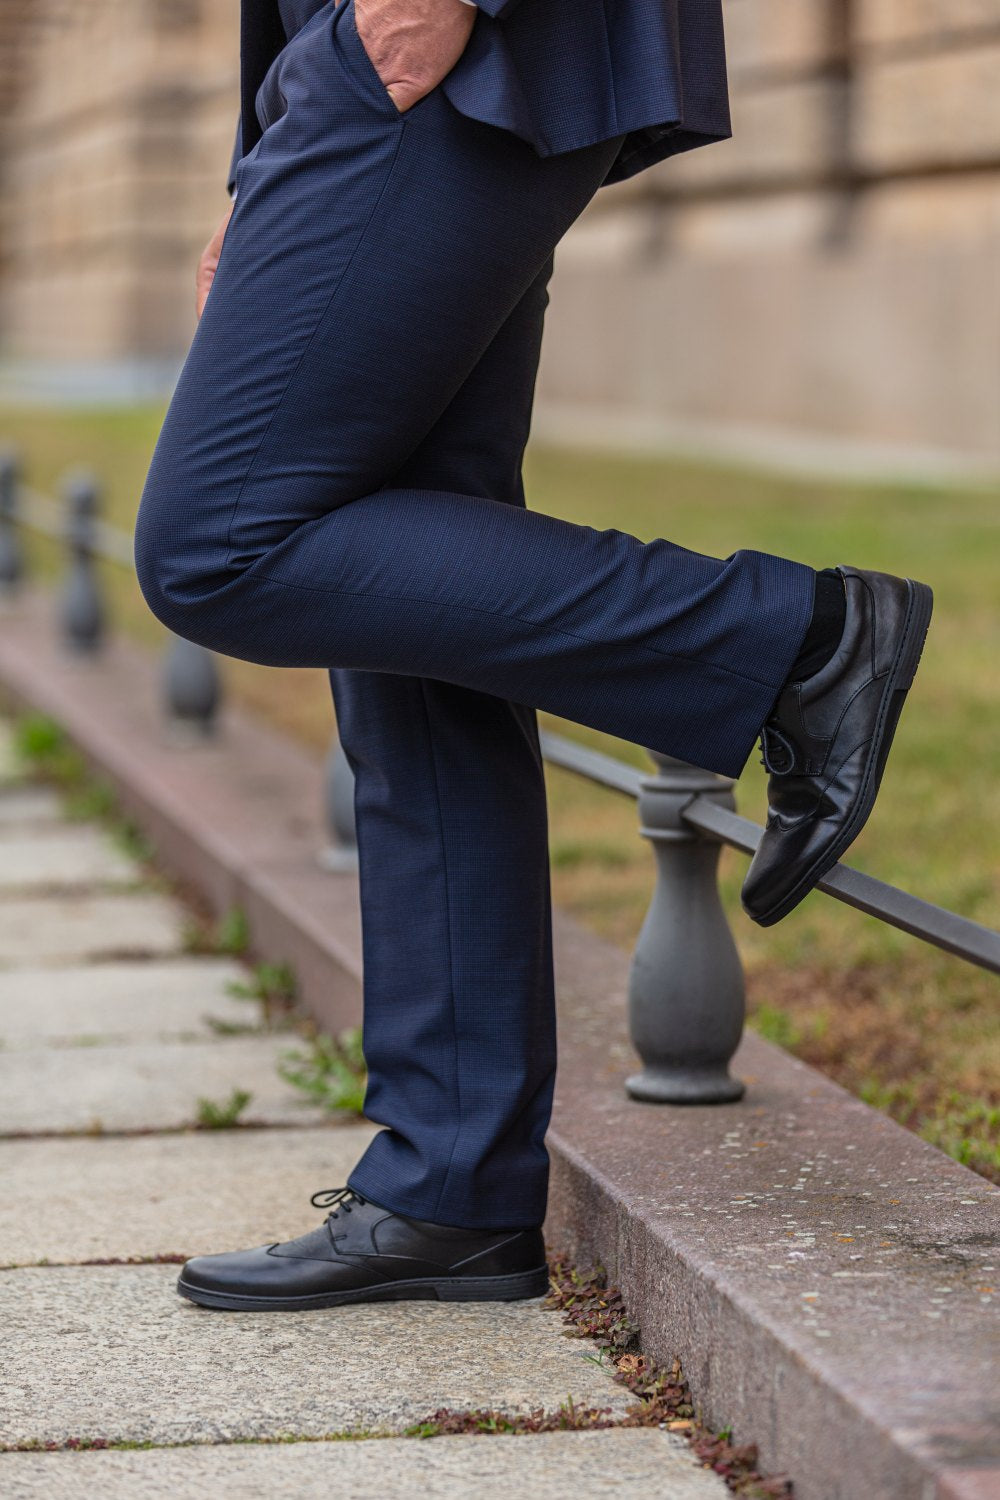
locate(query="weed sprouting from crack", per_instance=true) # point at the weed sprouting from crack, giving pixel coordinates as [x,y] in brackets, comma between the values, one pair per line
[143,1445]
[227,935]
[330,1071]
[224,1115]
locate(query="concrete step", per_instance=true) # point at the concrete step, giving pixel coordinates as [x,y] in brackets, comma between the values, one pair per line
[60,857]
[585,1465]
[113,1352]
[128,1001]
[84,926]
[187,1194]
[29,806]
[144,1086]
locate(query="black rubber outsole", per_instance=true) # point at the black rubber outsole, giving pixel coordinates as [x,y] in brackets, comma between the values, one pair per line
[513,1288]
[898,684]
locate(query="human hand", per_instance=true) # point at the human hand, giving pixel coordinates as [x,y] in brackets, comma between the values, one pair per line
[412,44]
[208,262]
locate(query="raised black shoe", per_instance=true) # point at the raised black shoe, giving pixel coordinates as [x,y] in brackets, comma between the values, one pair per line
[364,1253]
[828,738]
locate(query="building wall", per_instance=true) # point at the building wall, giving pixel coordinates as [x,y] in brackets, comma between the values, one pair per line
[112,163]
[834,269]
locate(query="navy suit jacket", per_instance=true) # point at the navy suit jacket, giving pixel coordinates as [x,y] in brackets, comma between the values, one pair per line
[562,74]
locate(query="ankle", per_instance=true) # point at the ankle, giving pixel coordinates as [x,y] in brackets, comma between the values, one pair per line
[825,629]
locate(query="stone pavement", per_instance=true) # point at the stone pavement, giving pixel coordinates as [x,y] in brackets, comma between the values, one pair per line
[106,1045]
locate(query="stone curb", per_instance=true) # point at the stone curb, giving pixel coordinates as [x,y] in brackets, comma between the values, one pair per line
[825,1277]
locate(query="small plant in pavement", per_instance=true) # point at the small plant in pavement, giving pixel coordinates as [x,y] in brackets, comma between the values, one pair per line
[272,986]
[41,744]
[230,935]
[330,1071]
[568,1417]
[213,1116]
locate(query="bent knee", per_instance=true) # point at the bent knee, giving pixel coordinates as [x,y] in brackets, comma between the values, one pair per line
[181,574]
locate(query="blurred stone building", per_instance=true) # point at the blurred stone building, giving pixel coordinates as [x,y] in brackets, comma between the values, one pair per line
[832,272]
[116,123]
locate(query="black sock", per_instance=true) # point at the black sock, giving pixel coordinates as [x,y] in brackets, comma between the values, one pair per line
[825,628]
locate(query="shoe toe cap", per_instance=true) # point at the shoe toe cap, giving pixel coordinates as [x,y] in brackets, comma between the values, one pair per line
[234,1271]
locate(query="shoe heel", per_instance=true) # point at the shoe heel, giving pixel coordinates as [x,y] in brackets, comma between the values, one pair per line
[920,619]
[495,1288]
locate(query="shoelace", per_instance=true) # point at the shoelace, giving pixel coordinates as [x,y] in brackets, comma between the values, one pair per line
[336,1199]
[775,744]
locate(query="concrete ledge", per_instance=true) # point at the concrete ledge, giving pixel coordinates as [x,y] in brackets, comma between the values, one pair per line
[826,1278]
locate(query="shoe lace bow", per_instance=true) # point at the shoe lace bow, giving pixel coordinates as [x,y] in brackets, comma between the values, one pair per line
[778,751]
[336,1199]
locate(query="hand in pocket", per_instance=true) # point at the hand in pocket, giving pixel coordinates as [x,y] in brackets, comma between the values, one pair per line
[413,44]
[208,263]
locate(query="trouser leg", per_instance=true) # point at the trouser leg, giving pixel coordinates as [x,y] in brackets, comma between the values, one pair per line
[370,261]
[459,1017]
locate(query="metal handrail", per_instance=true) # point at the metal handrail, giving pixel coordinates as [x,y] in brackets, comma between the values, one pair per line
[48,517]
[191,685]
[933,924]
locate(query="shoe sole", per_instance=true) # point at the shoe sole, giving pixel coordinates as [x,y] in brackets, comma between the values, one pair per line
[438,1289]
[898,684]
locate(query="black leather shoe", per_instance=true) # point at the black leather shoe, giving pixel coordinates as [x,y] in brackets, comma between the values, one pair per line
[363,1253]
[827,741]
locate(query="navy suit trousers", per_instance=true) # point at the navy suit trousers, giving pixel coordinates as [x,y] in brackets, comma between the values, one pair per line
[337,483]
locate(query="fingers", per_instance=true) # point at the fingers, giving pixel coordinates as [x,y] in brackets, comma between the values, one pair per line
[204,276]
[208,262]
[404,96]
[203,285]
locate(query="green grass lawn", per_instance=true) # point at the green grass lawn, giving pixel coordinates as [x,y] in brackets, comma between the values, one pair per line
[909,1029]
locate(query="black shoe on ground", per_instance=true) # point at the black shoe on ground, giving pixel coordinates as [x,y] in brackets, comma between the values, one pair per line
[827,741]
[363,1253]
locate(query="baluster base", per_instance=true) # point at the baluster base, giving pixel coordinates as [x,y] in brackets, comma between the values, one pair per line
[684,1086]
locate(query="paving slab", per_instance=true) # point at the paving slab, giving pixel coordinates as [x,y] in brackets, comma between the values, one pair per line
[59,857]
[586,1465]
[29,806]
[138,1000]
[114,1352]
[190,1194]
[142,1086]
[81,926]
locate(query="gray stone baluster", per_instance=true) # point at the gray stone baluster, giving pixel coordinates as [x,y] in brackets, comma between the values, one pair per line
[192,690]
[82,617]
[341,853]
[11,551]
[686,993]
